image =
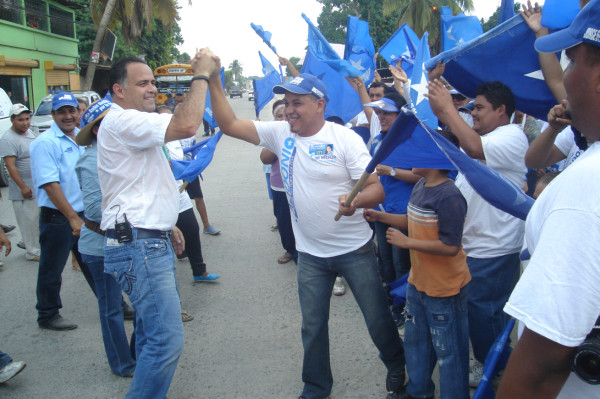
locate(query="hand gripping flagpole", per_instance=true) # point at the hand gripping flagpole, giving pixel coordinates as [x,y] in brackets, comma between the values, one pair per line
[394,137]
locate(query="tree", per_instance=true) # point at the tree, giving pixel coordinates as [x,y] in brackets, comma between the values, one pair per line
[131,15]
[159,45]
[424,15]
[184,58]
[492,22]
[294,61]
[236,70]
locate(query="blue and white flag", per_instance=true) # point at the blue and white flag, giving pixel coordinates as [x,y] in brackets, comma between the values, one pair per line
[507,11]
[202,155]
[265,35]
[359,49]
[405,146]
[320,49]
[344,101]
[506,54]
[418,86]
[263,88]
[559,14]
[208,114]
[459,29]
[402,45]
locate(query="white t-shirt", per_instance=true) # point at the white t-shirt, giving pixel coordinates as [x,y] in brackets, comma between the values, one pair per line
[175,149]
[565,142]
[134,173]
[316,170]
[490,232]
[558,295]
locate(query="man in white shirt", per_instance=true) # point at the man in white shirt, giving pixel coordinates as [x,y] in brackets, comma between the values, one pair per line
[140,205]
[320,162]
[492,238]
[558,295]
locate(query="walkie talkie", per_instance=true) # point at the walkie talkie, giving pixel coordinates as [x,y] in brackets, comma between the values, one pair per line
[123,231]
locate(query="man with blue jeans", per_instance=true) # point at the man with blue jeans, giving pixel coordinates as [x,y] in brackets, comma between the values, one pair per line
[320,162]
[492,238]
[140,205]
[91,245]
[53,158]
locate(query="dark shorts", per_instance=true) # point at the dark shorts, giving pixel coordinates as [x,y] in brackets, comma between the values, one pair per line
[193,189]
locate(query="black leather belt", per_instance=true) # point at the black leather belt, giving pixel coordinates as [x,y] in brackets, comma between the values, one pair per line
[46,211]
[140,234]
[93,226]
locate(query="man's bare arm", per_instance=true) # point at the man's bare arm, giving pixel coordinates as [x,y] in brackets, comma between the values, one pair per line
[537,368]
[11,165]
[188,116]
[56,195]
[542,152]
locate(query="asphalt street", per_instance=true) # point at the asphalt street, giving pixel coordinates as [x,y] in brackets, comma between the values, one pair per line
[245,339]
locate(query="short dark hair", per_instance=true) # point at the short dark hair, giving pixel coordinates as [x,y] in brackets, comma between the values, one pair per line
[335,119]
[497,93]
[118,71]
[379,84]
[83,100]
[396,98]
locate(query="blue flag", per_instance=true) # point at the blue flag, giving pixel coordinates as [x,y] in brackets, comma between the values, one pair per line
[506,54]
[320,48]
[265,35]
[344,101]
[408,151]
[418,86]
[402,45]
[559,14]
[208,114]
[202,154]
[507,11]
[459,29]
[359,50]
[263,88]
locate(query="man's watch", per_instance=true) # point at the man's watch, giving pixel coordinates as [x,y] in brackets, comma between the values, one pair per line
[393,172]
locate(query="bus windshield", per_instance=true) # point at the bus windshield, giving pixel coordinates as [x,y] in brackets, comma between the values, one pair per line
[172,79]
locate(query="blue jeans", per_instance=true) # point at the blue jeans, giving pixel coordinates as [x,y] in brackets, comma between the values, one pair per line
[111,317]
[56,241]
[437,330]
[4,359]
[145,270]
[316,277]
[492,281]
[281,210]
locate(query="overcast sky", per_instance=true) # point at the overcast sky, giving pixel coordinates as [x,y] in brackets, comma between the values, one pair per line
[224,27]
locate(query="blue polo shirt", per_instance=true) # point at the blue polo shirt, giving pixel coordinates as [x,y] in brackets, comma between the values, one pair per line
[53,158]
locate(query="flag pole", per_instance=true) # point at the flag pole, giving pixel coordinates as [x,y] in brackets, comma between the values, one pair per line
[357,187]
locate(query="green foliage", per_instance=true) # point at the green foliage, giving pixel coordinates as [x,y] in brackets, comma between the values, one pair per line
[159,45]
[237,68]
[228,79]
[294,61]
[492,22]
[184,58]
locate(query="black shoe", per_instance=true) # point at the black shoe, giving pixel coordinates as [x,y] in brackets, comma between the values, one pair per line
[128,311]
[21,245]
[7,228]
[59,324]
[394,385]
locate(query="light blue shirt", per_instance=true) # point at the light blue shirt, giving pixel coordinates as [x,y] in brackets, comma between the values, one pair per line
[90,242]
[53,158]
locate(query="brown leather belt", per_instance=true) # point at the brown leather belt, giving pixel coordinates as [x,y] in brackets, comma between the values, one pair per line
[95,227]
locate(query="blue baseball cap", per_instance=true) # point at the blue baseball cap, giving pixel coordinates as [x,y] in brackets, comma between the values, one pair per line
[585,28]
[304,83]
[384,104]
[63,99]
[93,114]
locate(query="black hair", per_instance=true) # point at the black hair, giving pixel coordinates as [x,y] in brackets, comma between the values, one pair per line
[396,98]
[378,84]
[497,93]
[335,119]
[118,71]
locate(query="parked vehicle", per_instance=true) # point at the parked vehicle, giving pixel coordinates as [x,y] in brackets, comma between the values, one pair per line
[251,95]
[42,117]
[235,91]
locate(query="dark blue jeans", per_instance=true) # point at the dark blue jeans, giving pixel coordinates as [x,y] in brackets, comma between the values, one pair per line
[56,241]
[492,281]
[437,331]
[281,210]
[111,317]
[4,359]
[316,277]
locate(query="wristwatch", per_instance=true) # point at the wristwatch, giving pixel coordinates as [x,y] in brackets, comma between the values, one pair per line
[393,172]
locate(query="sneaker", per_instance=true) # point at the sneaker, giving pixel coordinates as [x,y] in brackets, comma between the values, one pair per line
[7,228]
[338,288]
[394,385]
[212,231]
[21,245]
[475,374]
[10,370]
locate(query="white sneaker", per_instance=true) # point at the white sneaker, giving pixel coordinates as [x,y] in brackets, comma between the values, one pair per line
[10,370]
[475,374]
[338,288]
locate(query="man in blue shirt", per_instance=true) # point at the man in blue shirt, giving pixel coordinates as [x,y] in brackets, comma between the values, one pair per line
[53,158]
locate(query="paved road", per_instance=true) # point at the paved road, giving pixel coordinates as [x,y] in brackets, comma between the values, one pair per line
[245,339]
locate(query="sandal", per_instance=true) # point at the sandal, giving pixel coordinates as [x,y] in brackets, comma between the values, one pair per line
[285,258]
[185,316]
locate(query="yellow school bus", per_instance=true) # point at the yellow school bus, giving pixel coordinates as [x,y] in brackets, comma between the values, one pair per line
[173,78]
